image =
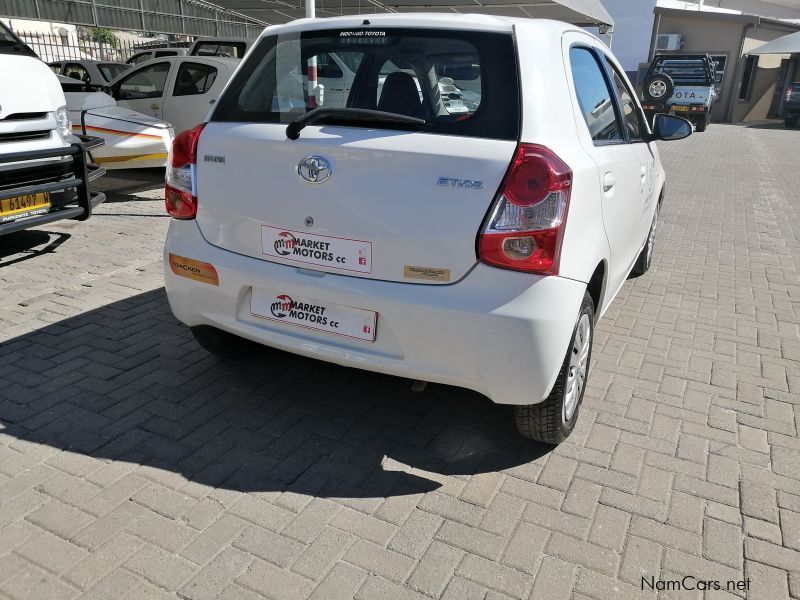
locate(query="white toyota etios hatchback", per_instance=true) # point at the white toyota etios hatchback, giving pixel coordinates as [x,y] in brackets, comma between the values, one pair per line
[471,240]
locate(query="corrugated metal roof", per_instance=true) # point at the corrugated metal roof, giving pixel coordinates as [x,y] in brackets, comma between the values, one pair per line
[579,12]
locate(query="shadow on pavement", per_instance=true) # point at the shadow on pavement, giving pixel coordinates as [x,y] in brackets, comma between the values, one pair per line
[127,382]
[25,242]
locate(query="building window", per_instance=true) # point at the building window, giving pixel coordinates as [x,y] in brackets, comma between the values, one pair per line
[747,77]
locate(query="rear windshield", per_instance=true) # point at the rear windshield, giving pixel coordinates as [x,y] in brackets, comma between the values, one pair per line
[459,82]
[685,72]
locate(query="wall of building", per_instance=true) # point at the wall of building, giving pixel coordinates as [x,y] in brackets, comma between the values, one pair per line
[633,24]
[732,36]
[766,77]
[757,7]
[715,37]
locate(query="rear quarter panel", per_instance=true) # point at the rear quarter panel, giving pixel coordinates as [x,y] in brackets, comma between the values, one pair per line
[551,117]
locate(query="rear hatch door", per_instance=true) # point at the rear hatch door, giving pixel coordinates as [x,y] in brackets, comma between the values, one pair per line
[373,199]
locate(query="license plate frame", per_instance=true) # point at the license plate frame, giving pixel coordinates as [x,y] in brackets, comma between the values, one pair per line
[680,108]
[27,205]
[314,314]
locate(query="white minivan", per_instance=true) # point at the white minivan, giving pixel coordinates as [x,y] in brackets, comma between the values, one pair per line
[381,231]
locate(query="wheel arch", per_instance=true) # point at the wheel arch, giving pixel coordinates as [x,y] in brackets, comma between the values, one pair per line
[597,288]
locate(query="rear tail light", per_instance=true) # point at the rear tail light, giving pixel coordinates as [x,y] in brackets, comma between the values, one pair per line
[789,92]
[180,191]
[526,223]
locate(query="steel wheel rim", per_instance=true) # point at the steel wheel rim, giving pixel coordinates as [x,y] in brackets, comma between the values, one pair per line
[658,89]
[578,366]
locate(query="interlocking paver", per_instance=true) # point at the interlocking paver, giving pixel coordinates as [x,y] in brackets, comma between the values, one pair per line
[134,465]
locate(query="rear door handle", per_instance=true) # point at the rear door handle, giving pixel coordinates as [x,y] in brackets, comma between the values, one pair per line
[609,181]
[154,106]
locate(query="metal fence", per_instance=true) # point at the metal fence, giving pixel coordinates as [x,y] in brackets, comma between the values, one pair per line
[187,17]
[52,47]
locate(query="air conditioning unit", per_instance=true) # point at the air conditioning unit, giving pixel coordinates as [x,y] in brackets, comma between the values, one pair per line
[668,41]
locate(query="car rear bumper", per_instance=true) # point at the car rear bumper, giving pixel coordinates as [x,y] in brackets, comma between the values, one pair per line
[501,333]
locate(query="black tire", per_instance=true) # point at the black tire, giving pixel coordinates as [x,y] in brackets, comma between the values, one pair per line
[224,344]
[658,88]
[642,264]
[549,421]
[700,125]
[791,121]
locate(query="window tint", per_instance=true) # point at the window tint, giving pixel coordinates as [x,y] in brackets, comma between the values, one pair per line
[326,67]
[111,70]
[76,71]
[163,53]
[139,58]
[194,78]
[459,82]
[594,96]
[630,111]
[229,49]
[148,82]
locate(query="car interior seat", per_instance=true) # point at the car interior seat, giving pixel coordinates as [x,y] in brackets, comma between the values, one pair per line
[400,95]
[186,85]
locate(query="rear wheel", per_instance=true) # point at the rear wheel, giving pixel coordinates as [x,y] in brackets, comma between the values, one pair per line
[224,344]
[642,264]
[791,121]
[703,122]
[554,419]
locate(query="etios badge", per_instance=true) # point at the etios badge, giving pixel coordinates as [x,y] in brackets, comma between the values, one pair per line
[314,169]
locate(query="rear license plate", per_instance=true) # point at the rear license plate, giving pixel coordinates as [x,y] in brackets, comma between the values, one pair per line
[680,108]
[313,314]
[24,206]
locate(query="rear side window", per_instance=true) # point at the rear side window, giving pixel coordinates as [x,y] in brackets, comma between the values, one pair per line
[227,49]
[193,79]
[594,96]
[459,82]
[139,58]
[76,71]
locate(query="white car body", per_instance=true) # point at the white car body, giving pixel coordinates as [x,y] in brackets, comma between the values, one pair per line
[182,111]
[409,203]
[132,140]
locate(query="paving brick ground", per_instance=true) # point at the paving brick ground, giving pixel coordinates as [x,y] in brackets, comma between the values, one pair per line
[134,465]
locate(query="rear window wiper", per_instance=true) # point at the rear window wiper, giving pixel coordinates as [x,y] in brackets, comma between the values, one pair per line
[294,128]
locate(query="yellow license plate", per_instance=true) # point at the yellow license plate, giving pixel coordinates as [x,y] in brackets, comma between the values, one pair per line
[24,206]
[681,108]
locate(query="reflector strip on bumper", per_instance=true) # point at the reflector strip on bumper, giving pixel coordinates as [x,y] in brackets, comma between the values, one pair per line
[108,159]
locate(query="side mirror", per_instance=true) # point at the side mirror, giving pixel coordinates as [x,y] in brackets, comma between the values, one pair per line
[669,127]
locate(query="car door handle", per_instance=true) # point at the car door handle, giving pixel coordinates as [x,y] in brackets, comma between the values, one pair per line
[609,181]
[212,101]
[154,106]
